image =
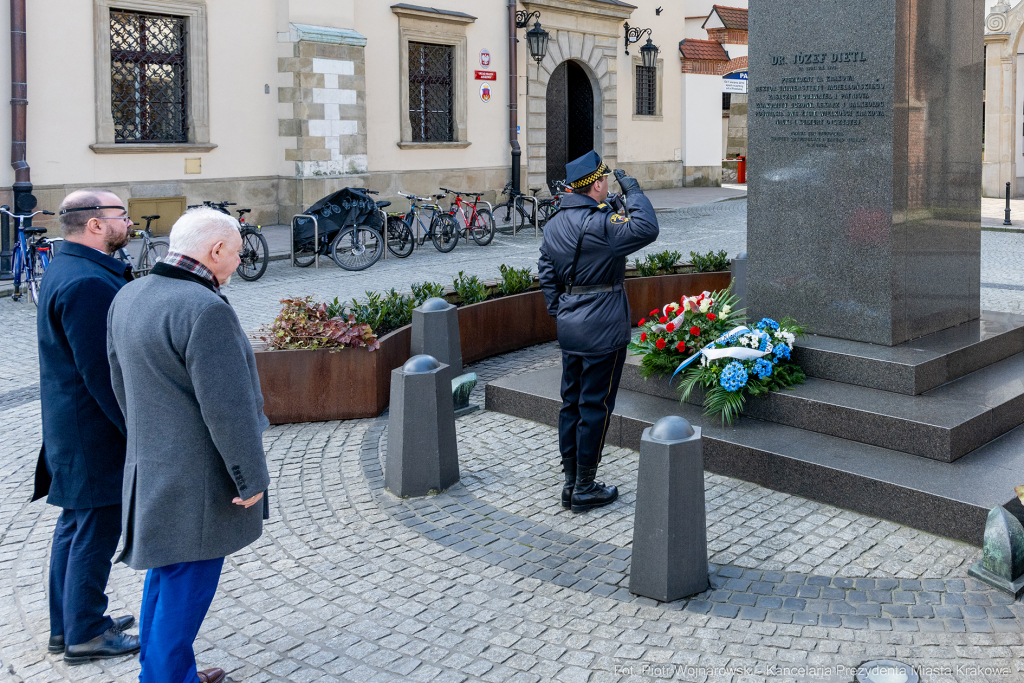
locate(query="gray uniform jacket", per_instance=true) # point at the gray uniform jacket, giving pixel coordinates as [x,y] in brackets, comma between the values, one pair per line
[185,376]
[599,323]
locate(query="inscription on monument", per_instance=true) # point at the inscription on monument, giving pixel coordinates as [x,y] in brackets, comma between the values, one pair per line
[827,100]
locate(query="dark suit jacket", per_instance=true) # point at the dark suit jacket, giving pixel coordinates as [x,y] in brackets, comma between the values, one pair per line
[83,428]
[599,323]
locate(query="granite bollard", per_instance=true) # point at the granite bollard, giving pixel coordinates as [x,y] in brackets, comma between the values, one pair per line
[435,332]
[423,454]
[1002,561]
[670,547]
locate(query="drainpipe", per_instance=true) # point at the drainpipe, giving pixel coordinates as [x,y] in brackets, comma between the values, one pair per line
[24,201]
[513,95]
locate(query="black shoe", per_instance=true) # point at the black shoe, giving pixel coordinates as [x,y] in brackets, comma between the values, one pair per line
[588,494]
[569,469]
[111,643]
[56,644]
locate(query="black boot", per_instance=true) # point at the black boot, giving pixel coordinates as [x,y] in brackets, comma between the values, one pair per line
[569,469]
[588,494]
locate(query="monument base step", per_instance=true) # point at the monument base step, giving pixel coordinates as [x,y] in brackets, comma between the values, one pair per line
[949,499]
[917,365]
[943,424]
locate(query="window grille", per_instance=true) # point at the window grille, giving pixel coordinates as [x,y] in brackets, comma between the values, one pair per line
[148,77]
[431,92]
[646,90]
[726,101]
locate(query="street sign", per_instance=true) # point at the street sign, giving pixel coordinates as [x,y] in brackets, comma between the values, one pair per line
[485,57]
[735,83]
[486,75]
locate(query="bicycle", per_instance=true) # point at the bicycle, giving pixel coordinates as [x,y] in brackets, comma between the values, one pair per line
[153,250]
[254,254]
[442,229]
[479,224]
[32,253]
[511,216]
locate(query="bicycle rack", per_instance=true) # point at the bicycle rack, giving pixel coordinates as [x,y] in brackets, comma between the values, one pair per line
[536,216]
[316,239]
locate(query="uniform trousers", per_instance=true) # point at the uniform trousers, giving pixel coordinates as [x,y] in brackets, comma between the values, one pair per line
[175,600]
[84,542]
[589,385]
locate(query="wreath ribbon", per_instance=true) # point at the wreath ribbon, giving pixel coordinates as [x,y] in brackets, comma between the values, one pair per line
[737,352]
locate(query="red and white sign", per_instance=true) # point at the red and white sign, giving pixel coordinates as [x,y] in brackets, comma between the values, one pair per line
[485,57]
[486,75]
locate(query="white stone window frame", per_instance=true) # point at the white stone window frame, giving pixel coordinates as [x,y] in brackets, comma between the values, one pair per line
[659,86]
[437,28]
[194,13]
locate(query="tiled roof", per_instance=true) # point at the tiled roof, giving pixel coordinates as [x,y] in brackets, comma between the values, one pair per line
[732,17]
[703,49]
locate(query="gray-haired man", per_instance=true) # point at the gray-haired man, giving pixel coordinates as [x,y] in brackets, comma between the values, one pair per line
[185,376]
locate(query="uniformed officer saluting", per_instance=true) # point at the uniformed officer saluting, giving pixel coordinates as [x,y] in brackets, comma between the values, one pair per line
[582,266]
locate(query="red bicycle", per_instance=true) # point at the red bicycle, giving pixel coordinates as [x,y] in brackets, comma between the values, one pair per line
[479,224]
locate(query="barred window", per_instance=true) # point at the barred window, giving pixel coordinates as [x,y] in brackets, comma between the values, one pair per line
[726,101]
[431,92]
[148,77]
[646,90]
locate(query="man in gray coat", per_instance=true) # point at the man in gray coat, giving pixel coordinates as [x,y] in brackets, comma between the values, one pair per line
[185,376]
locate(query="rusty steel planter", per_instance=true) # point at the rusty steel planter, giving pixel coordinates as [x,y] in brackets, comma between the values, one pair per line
[315,386]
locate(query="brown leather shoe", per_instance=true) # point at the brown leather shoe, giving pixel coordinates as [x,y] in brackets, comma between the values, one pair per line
[211,676]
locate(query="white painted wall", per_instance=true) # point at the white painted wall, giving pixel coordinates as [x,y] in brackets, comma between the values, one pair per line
[701,120]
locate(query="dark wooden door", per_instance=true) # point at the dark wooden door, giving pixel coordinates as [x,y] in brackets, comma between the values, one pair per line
[570,118]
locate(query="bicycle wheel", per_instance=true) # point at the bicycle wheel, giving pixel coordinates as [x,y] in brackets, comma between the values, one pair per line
[545,211]
[508,218]
[482,230]
[399,237]
[35,275]
[444,232]
[254,255]
[17,261]
[357,247]
[151,255]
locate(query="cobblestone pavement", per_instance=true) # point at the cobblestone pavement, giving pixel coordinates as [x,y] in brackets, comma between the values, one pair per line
[494,581]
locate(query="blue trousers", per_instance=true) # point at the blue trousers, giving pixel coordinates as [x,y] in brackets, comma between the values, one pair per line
[84,542]
[175,600]
[589,385]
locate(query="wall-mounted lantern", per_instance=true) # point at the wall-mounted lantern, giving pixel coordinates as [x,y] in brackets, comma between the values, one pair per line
[649,52]
[536,37]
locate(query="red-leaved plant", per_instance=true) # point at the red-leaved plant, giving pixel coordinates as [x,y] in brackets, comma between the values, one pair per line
[304,324]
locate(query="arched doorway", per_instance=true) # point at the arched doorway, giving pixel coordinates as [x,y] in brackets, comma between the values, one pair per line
[570,118]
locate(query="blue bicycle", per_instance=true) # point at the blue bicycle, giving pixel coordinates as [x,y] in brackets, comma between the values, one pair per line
[442,229]
[32,254]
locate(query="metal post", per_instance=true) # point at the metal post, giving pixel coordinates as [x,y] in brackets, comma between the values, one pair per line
[1006,220]
[513,96]
[6,269]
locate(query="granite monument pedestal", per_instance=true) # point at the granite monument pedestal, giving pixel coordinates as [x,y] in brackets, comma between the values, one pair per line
[864,172]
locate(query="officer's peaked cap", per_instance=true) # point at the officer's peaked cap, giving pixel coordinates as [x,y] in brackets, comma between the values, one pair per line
[585,170]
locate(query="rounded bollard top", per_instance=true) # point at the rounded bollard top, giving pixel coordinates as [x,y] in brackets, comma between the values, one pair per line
[741,255]
[434,304]
[671,429]
[420,365]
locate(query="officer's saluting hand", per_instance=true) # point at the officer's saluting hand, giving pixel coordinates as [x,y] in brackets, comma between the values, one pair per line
[582,266]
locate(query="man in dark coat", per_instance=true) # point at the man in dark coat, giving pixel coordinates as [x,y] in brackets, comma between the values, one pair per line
[195,474]
[582,266]
[82,461]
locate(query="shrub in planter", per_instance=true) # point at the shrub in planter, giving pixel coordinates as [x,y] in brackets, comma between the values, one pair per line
[469,288]
[710,262]
[425,290]
[514,280]
[661,263]
[382,312]
[303,324]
